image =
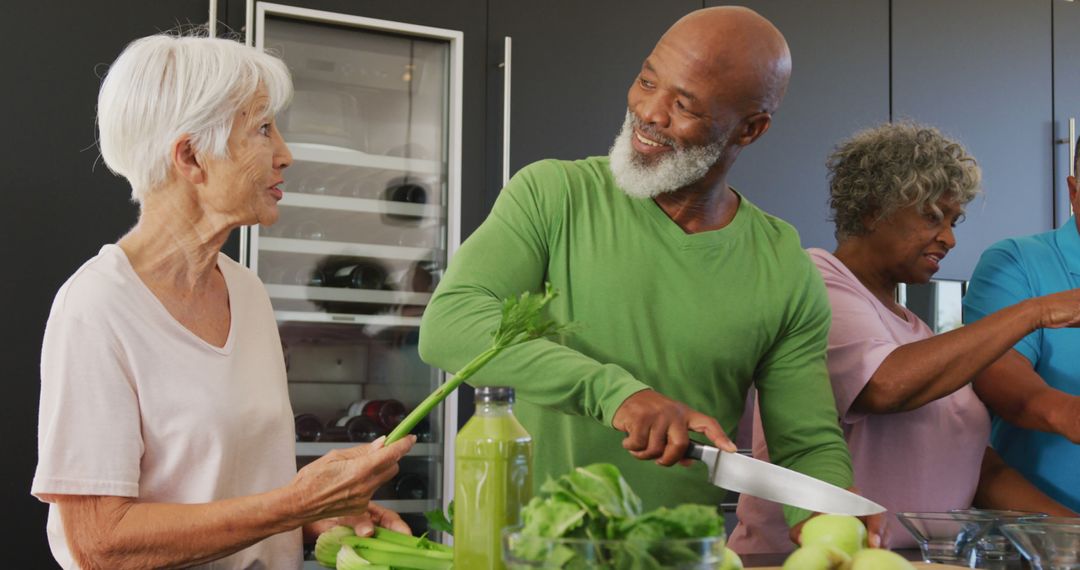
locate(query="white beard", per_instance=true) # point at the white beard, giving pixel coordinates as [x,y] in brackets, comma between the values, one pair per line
[678,169]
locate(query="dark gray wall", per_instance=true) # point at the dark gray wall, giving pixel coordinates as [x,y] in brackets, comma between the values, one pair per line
[981,71]
[573,63]
[61,207]
[839,84]
[1066,98]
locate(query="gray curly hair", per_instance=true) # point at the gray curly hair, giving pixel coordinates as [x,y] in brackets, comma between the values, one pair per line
[881,170]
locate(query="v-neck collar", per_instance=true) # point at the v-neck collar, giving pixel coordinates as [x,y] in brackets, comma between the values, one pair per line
[164,312]
[909,318]
[711,238]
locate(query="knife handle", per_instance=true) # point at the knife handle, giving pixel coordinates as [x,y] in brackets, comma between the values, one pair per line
[695,451]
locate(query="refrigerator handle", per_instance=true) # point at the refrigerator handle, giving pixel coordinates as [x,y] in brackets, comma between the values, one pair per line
[1072,160]
[249,22]
[507,45]
[211,22]
[1059,200]
[1072,146]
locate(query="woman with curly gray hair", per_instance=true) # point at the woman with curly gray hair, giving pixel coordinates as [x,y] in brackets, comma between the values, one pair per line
[918,433]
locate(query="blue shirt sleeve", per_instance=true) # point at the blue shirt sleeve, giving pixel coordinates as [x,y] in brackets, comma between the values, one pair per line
[1001,280]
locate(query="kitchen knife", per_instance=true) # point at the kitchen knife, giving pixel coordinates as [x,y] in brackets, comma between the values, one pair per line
[762,479]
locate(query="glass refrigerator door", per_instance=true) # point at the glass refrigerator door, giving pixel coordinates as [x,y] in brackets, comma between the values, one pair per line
[367,223]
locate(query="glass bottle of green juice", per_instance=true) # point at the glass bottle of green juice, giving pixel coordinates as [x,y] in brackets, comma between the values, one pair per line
[492,479]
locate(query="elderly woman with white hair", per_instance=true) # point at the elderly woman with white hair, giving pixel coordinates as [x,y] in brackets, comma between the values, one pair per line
[166,435]
[918,433]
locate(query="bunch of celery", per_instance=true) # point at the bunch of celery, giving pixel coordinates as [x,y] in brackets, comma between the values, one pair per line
[521,321]
[340,548]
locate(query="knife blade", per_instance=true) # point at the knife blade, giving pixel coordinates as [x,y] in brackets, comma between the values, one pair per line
[743,474]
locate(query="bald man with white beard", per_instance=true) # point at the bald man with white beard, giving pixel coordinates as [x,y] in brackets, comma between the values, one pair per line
[687,294]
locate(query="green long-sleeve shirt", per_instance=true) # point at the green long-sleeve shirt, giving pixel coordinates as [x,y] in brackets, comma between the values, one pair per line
[696,317]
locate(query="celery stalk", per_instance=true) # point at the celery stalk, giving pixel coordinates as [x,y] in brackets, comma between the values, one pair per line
[521,321]
[387,546]
[403,560]
[329,542]
[348,559]
[417,542]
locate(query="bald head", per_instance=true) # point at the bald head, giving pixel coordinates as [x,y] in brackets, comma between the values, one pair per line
[706,91]
[748,53]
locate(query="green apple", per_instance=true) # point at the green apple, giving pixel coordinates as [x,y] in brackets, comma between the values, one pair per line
[731,560]
[816,557]
[879,559]
[840,531]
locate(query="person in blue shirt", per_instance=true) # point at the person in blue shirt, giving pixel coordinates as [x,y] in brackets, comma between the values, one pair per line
[1034,390]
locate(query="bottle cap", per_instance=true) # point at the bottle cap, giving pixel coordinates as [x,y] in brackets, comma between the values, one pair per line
[495,394]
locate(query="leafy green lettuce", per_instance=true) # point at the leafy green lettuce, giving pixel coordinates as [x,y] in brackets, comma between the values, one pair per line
[595,503]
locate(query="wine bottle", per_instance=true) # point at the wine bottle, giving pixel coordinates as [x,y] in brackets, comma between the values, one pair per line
[385,413]
[308,427]
[362,429]
[404,191]
[358,274]
[410,487]
[422,431]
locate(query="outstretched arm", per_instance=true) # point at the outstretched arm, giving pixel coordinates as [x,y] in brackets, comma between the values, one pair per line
[1002,487]
[122,532]
[920,372]
[1007,274]
[1014,391]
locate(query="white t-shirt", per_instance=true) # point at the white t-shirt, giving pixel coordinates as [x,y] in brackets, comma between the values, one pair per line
[133,404]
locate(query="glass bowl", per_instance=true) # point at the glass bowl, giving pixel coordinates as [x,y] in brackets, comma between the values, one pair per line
[994,551]
[1047,545]
[526,552]
[1067,521]
[949,537]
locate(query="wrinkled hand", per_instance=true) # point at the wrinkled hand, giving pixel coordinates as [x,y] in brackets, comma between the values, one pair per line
[341,482]
[1059,310]
[362,525]
[377,515]
[658,427]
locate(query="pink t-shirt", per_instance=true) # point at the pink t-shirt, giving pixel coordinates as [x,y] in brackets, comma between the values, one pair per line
[133,404]
[923,460]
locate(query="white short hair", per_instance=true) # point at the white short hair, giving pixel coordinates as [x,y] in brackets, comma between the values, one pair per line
[165,86]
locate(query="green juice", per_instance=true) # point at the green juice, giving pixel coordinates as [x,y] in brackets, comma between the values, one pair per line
[492,480]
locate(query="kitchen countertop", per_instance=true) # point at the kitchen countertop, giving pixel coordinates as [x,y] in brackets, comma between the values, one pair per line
[775,560]
[763,561]
[920,565]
